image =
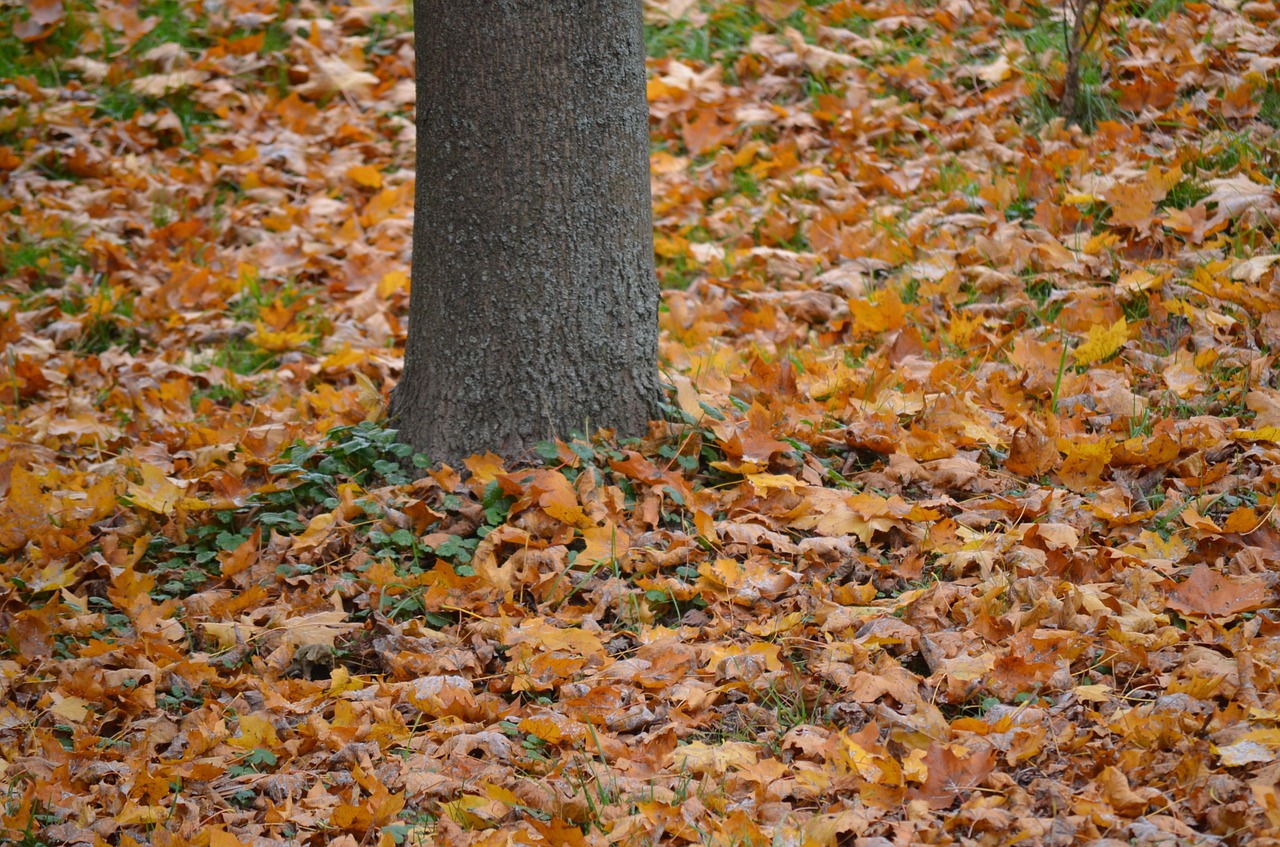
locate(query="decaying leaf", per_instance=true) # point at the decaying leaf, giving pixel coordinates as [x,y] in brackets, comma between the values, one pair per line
[1205,592]
[960,526]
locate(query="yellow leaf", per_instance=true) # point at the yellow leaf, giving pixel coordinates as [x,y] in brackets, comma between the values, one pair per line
[1084,462]
[815,781]
[485,469]
[162,494]
[737,467]
[1139,280]
[71,709]
[1265,433]
[735,661]
[56,574]
[489,571]
[1242,519]
[560,501]
[342,77]
[854,758]
[1102,342]
[722,573]
[502,795]
[365,175]
[340,681]
[1093,693]
[369,396]
[316,533]
[1183,376]
[279,341]
[550,638]
[1100,242]
[996,72]
[698,757]
[222,838]
[344,359]
[1195,520]
[24,511]
[132,814]
[542,727]
[256,730]
[1268,735]
[391,282]
[774,625]
[224,635]
[766,482]
[914,768]
[161,85]
[604,544]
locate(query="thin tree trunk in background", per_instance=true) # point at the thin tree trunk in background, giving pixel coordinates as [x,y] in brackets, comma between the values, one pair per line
[534,301]
[1075,42]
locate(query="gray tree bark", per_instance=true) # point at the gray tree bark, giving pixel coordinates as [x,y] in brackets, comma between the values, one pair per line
[533,308]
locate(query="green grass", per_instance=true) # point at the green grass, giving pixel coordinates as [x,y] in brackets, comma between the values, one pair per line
[276,39]
[727,31]
[953,177]
[122,103]
[102,333]
[39,60]
[23,255]
[1269,100]
[174,27]
[1226,152]
[1155,10]
[176,22]
[57,255]
[903,48]
[219,394]
[1095,102]
[1039,289]
[243,357]
[387,25]
[1185,194]
[1136,309]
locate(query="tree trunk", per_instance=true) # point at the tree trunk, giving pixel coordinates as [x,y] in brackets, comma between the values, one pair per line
[533,308]
[1075,42]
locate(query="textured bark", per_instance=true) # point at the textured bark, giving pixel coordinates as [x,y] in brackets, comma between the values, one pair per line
[533,309]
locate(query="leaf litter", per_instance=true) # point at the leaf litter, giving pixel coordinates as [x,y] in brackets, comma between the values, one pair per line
[961,526]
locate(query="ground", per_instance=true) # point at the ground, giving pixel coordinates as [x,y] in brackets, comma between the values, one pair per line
[961,526]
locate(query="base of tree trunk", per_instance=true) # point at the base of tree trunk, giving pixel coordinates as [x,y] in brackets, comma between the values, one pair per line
[533,309]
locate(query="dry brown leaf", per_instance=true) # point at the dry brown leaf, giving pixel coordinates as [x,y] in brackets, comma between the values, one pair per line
[1212,594]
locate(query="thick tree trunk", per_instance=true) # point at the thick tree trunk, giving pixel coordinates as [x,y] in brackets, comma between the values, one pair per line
[533,309]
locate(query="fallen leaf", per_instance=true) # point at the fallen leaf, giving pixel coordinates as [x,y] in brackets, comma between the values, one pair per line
[160,493]
[1243,753]
[715,760]
[1102,343]
[1208,593]
[951,775]
[1234,195]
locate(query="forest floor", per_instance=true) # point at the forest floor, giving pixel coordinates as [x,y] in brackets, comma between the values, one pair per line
[962,527]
